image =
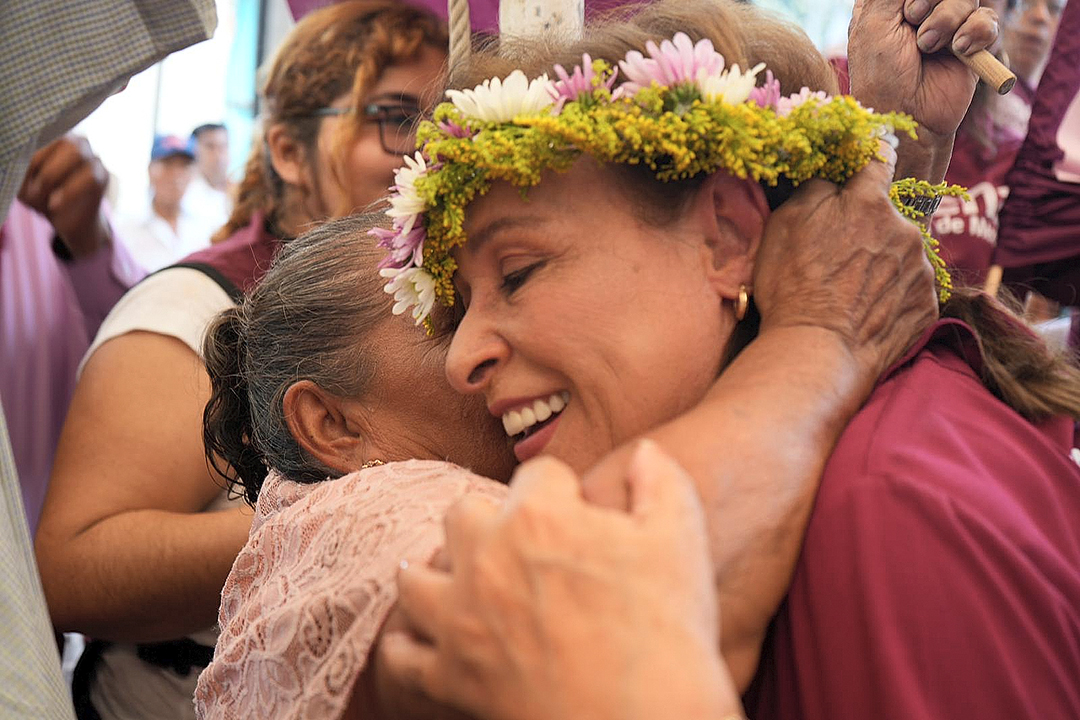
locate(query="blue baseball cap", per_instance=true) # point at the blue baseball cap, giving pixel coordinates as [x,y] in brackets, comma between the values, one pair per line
[167,146]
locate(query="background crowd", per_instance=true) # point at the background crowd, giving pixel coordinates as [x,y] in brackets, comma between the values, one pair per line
[104,310]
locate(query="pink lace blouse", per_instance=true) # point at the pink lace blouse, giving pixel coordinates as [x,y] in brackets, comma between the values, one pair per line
[308,593]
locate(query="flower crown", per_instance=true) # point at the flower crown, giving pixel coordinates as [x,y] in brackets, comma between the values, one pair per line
[680,111]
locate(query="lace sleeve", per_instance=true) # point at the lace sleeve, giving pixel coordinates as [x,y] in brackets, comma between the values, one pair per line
[306,596]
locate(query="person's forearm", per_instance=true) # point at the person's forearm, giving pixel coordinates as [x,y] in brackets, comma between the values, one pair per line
[756,447]
[159,579]
[775,415]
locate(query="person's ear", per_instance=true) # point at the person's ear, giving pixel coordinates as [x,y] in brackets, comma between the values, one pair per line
[327,427]
[735,213]
[287,156]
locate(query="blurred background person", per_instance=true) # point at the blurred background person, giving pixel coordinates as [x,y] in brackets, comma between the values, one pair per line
[208,196]
[167,232]
[1030,26]
[990,138]
[1038,246]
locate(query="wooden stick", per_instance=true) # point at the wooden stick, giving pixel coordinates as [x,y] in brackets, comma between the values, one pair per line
[990,70]
[993,280]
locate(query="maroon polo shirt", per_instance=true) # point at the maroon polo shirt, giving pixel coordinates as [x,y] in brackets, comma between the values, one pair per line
[940,576]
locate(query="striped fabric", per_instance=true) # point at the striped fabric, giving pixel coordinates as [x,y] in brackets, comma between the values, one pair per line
[30,681]
[62,58]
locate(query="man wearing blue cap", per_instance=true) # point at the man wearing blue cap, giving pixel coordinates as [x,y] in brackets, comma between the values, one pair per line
[167,232]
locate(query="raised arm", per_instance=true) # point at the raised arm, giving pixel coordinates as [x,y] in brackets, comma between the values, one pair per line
[900,60]
[66,184]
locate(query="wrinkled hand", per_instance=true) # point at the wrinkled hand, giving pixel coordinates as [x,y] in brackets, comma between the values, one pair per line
[843,258]
[66,183]
[899,60]
[557,609]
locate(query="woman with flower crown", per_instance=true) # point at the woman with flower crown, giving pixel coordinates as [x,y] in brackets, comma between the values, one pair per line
[598,236]
[803,315]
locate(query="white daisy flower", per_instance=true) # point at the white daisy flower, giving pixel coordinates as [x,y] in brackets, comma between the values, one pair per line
[412,287]
[502,100]
[406,205]
[731,86]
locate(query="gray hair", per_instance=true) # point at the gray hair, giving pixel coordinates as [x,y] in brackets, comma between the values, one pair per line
[306,320]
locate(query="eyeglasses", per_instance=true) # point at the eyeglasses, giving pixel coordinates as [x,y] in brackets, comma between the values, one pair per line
[397,124]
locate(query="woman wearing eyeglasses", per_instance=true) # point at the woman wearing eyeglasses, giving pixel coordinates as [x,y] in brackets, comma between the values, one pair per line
[136,537]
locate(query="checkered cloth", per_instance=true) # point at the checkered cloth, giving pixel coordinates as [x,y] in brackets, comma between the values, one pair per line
[61,58]
[30,681]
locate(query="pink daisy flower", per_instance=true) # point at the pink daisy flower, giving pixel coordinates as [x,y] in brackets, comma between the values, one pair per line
[406,247]
[786,105]
[453,129]
[768,94]
[571,85]
[676,61]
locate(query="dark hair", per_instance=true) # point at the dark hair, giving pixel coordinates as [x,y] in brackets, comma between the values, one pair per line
[1018,368]
[306,320]
[337,49]
[205,128]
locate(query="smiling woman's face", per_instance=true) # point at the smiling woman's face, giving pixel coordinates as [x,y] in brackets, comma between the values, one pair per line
[571,300]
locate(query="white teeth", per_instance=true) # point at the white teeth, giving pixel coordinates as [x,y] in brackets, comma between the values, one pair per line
[558,402]
[512,423]
[542,410]
[517,421]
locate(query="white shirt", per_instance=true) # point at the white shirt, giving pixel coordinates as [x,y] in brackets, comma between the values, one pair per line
[154,244]
[206,204]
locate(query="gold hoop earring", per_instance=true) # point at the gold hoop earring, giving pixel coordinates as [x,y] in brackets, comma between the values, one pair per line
[742,304]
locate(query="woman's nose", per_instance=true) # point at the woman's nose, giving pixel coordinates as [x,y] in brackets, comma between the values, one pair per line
[475,354]
[1039,11]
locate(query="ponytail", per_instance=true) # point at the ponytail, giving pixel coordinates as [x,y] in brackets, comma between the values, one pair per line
[227,422]
[1018,366]
[254,193]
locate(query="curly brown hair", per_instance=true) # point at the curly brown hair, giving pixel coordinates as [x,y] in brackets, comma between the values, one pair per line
[342,48]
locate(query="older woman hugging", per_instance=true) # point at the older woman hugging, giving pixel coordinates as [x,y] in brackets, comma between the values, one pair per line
[313,377]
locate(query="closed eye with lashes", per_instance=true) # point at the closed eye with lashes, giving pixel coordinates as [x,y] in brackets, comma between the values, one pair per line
[514,280]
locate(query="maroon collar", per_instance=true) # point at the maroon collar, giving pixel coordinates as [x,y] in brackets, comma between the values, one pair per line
[955,334]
